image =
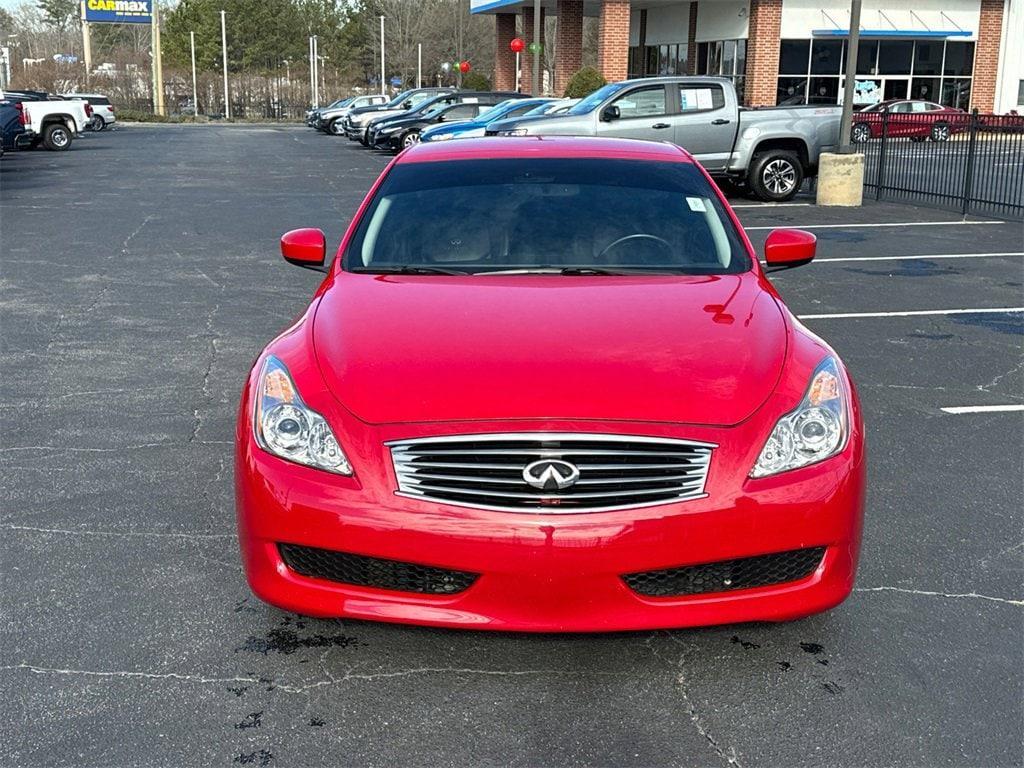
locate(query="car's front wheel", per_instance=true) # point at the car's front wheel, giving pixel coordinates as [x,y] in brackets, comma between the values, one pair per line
[56,137]
[940,132]
[335,128]
[411,138]
[776,175]
[860,133]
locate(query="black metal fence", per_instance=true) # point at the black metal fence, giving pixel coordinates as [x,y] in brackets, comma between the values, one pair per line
[970,162]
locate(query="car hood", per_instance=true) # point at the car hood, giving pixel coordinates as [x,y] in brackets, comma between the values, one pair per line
[698,350]
[527,122]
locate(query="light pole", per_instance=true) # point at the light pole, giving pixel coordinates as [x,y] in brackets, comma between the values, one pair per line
[195,91]
[852,44]
[537,37]
[224,58]
[383,85]
[419,65]
[316,71]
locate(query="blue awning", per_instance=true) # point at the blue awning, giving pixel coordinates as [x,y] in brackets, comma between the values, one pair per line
[940,33]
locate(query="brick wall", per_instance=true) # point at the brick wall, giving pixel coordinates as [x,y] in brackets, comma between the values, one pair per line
[691,42]
[504,59]
[568,42]
[763,44]
[613,40]
[526,60]
[986,55]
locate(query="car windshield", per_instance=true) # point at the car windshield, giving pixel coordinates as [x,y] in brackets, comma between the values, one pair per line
[397,101]
[546,215]
[591,102]
[497,110]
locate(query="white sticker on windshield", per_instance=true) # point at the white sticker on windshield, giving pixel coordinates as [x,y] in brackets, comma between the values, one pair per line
[696,204]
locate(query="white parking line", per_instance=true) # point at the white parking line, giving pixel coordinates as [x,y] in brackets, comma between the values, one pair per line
[914,313]
[922,256]
[773,205]
[882,224]
[983,409]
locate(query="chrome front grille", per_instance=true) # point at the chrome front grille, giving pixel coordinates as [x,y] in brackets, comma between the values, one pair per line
[490,471]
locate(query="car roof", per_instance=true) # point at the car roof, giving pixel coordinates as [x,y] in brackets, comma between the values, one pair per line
[510,147]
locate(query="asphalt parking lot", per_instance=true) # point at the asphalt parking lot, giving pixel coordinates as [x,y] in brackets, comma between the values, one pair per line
[141,277]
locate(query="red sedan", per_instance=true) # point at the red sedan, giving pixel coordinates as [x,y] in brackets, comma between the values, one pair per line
[914,119]
[545,385]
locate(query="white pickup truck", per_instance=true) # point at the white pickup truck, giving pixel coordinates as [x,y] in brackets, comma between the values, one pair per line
[52,123]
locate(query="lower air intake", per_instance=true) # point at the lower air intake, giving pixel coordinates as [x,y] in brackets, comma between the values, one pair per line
[362,571]
[727,575]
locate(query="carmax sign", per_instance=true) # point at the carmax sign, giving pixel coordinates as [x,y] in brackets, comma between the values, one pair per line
[119,11]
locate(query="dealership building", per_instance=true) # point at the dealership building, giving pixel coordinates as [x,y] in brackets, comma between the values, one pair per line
[964,53]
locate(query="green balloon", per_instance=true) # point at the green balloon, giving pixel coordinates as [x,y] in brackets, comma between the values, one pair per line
[535,47]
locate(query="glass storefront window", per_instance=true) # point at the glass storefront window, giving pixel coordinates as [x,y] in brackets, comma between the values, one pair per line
[715,57]
[823,90]
[926,88]
[894,57]
[793,57]
[728,57]
[702,59]
[826,57]
[956,92]
[959,59]
[791,91]
[741,57]
[930,70]
[867,57]
[928,57]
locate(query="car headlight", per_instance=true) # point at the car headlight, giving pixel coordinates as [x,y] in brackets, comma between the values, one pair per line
[439,137]
[814,431]
[514,132]
[286,427]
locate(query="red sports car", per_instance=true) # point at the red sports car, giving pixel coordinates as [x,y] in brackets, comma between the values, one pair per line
[911,118]
[545,385]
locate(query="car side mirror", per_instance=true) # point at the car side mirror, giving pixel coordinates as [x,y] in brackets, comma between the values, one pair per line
[788,248]
[407,104]
[305,248]
[610,113]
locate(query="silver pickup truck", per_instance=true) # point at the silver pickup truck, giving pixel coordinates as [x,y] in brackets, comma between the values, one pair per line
[770,151]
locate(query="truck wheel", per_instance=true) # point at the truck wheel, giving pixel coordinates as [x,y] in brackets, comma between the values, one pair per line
[860,133]
[775,176]
[98,123]
[56,137]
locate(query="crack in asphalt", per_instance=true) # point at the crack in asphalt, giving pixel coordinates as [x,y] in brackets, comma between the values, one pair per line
[118,534]
[926,593]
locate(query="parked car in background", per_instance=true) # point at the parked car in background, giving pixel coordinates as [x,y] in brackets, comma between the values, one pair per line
[312,114]
[102,109]
[478,126]
[911,118]
[355,122]
[486,98]
[427,444]
[12,124]
[329,119]
[54,123]
[771,150]
[402,132]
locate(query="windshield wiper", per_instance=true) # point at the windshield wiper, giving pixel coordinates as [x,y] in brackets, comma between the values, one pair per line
[604,271]
[412,269]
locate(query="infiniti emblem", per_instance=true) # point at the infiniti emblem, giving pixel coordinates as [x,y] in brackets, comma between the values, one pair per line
[551,474]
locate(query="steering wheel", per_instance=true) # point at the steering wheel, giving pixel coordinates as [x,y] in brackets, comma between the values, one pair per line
[638,236]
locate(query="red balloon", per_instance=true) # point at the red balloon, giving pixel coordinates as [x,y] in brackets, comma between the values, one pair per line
[517,45]
[464,67]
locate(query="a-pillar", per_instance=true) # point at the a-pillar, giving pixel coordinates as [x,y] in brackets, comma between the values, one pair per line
[568,42]
[763,42]
[526,60]
[504,58]
[613,40]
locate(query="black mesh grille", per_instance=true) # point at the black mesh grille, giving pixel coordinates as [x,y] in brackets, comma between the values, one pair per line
[362,571]
[727,575]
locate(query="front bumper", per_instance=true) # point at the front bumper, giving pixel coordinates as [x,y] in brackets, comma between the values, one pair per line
[550,572]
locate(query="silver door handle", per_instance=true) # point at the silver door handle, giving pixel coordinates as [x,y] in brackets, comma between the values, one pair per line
[661,125]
